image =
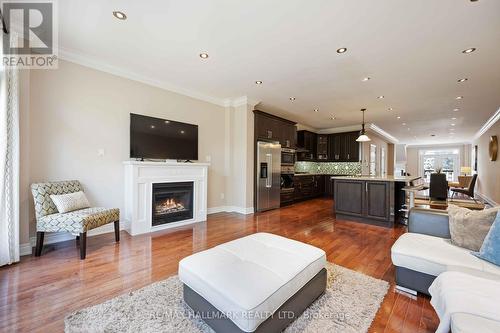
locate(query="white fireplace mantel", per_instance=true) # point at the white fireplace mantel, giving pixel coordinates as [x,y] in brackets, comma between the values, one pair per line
[139,180]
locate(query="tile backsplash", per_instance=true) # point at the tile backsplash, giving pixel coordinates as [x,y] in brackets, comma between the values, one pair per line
[329,168]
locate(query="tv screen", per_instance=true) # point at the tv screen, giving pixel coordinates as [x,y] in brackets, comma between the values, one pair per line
[162,139]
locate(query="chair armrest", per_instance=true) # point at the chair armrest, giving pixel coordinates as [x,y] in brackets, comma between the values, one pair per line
[433,222]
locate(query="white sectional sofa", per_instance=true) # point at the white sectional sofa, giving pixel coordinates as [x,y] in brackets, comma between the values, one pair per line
[426,251]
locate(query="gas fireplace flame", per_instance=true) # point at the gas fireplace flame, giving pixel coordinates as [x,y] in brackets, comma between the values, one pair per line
[168,206]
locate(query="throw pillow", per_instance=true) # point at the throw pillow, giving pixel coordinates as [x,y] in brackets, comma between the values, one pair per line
[70,202]
[490,250]
[468,228]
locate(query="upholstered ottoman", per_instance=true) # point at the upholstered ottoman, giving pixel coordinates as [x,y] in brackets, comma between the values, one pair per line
[258,283]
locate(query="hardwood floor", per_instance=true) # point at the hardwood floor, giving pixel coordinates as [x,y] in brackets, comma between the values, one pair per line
[37,293]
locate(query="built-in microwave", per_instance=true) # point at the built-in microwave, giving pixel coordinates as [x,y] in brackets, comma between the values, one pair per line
[287,156]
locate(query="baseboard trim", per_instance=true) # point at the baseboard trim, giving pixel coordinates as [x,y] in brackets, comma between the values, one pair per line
[487,199]
[57,237]
[231,209]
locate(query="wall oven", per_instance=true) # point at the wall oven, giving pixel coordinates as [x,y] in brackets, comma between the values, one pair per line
[287,156]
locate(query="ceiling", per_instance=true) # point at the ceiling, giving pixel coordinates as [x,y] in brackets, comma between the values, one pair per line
[411,50]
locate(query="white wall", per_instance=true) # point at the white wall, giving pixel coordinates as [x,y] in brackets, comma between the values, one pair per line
[488,172]
[75,111]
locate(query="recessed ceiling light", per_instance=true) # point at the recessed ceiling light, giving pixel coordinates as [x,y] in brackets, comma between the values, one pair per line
[459,97]
[292,99]
[456,110]
[152,126]
[454,118]
[398,117]
[342,50]
[381,96]
[408,128]
[390,109]
[466,51]
[167,121]
[203,55]
[119,15]
[404,124]
[452,124]
[433,135]
[258,82]
[316,110]
[332,117]
[366,79]
[462,80]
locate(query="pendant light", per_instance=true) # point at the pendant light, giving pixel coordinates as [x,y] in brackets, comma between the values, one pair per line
[362,135]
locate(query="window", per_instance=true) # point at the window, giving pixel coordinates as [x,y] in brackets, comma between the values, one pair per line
[382,161]
[373,160]
[447,160]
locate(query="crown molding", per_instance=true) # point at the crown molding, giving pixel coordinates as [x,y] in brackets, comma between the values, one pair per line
[93,63]
[337,129]
[490,122]
[382,133]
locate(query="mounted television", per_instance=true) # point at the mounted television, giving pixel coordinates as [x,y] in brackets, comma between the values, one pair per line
[157,138]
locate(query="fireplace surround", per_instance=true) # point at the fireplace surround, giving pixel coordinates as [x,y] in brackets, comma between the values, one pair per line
[141,178]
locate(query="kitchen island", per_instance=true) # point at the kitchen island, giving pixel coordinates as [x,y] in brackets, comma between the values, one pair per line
[370,199]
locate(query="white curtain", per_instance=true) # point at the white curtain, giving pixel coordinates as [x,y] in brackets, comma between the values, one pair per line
[9,164]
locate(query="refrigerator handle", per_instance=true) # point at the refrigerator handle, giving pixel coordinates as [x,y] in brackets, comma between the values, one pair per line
[269,180]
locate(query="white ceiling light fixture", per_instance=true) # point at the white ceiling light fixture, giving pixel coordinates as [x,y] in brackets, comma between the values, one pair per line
[456,109]
[292,99]
[381,97]
[316,110]
[342,50]
[258,82]
[459,97]
[470,50]
[366,79]
[404,124]
[362,135]
[332,118]
[119,15]
[203,55]
[398,117]
[462,80]
[390,109]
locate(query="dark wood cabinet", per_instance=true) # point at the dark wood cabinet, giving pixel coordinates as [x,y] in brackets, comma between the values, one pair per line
[328,191]
[270,127]
[306,141]
[343,147]
[377,200]
[368,200]
[322,153]
[308,186]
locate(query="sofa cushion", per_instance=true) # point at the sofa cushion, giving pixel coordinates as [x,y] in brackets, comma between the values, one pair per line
[434,255]
[78,221]
[251,277]
[490,250]
[468,228]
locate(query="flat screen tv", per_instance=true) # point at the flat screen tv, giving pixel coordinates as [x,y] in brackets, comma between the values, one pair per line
[156,138]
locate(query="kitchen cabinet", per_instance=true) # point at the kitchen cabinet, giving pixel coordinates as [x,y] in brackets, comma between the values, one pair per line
[306,142]
[328,190]
[367,200]
[322,147]
[343,147]
[308,186]
[270,127]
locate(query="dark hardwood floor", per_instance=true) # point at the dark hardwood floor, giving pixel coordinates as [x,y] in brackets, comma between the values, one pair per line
[37,293]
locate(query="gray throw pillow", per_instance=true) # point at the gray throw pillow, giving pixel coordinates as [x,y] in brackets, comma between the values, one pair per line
[468,228]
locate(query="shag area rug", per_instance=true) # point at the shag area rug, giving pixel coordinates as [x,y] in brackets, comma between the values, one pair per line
[349,304]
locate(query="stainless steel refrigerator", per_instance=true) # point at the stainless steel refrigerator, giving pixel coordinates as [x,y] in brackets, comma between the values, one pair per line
[268,175]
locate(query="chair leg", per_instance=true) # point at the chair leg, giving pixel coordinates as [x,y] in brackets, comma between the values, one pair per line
[83,245]
[39,243]
[117,231]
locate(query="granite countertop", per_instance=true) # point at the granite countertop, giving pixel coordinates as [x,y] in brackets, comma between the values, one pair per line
[379,178]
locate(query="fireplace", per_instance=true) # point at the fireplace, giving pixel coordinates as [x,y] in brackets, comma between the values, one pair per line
[172,202]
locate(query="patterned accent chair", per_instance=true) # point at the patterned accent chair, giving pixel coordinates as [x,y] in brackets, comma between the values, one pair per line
[77,222]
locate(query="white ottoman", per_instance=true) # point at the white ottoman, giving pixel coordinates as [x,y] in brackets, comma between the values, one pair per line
[260,283]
